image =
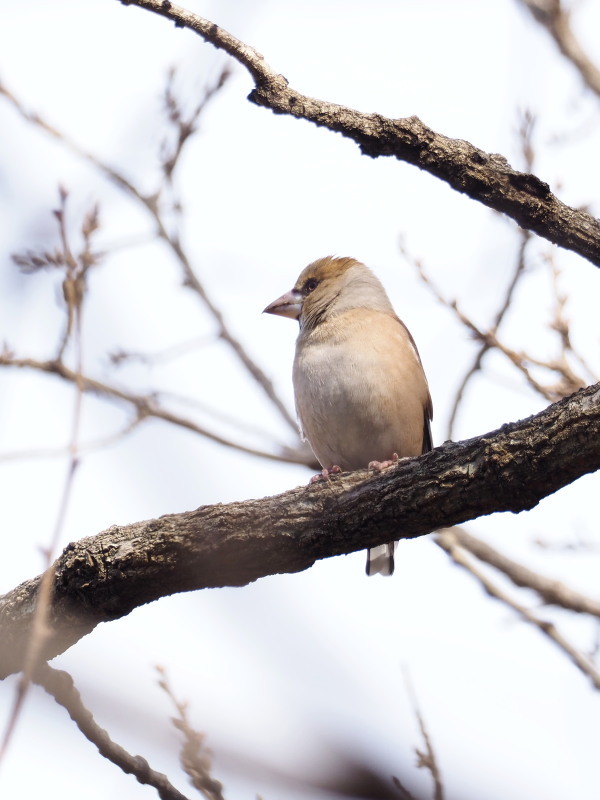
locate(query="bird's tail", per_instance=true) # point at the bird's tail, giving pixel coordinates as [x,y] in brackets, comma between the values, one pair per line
[380,559]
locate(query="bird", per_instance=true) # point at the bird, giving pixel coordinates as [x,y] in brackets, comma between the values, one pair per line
[362,398]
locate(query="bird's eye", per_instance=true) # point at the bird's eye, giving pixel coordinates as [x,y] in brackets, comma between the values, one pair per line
[310,285]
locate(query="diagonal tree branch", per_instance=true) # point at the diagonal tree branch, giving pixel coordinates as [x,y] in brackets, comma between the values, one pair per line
[485,177]
[148,407]
[150,203]
[105,576]
[60,686]
[550,591]
[459,555]
[552,15]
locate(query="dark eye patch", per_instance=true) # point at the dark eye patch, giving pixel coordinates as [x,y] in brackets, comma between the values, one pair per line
[310,285]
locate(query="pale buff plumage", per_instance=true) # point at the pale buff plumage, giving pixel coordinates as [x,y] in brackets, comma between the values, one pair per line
[361,393]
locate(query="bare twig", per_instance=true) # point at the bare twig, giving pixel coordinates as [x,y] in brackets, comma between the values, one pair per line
[192,281]
[74,290]
[485,346]
[551,592]
[147,407]
[60,685]
[172,240]
[568,380]
[405,794]
[487,342]
[488,337]
[560,324]
[525,131]
[425,760]
[448,542]
[84,448]
[186,124]
[556,20]
[166,355]
[196,758]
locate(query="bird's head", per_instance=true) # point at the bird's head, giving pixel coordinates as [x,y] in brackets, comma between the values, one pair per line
[327,287]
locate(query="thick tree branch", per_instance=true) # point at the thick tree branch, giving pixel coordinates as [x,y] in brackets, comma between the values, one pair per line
[487,178]
[105,576]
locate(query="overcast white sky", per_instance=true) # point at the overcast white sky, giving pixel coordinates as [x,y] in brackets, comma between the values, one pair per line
[288,669]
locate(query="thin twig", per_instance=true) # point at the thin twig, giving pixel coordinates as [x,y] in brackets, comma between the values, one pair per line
[60,685]
[489,338]
[146,407]
[186,124]
[74,289]
[448,542]
[551,592]
[191,280]
[556,20]
[84,448]
[568,381]
[164,356]
[525,132]
[485,347]
[485,343]
[196,758]
[425,760]
[560,324]
[405,794]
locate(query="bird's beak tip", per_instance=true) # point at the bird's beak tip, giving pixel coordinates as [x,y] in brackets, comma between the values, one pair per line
[288,305]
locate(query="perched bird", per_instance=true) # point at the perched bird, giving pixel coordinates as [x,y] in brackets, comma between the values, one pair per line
[361,393]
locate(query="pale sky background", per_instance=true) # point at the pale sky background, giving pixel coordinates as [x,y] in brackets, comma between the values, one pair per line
[293,666]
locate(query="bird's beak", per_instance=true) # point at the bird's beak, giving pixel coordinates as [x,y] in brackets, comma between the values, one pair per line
[288,305]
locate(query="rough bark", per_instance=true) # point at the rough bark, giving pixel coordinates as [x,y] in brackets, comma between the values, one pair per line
[104,577]
[485,177]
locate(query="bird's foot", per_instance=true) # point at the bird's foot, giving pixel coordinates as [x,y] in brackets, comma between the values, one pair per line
[325,473]
[379,466]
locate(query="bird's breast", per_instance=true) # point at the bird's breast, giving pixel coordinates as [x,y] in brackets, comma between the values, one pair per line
[360,397]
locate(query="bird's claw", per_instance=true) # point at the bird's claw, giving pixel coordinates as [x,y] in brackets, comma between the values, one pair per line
[325,473]
[379,466]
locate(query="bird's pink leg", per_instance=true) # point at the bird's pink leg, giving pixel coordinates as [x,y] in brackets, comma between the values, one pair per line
[378,466]
[325,473]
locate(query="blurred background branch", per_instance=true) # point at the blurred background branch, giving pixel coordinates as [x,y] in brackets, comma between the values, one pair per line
[556,19]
